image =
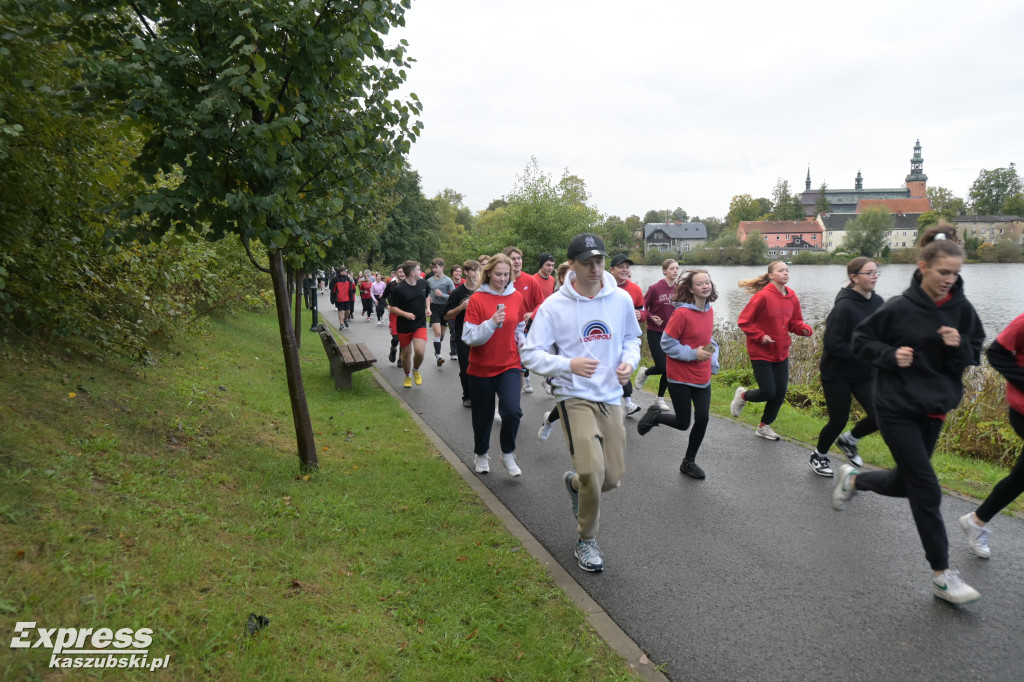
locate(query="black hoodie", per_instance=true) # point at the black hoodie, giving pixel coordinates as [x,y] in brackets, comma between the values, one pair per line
[837,360]
[932,384]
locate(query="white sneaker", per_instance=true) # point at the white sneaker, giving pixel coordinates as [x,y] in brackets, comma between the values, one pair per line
[483,464]
[641,378]
[509,460]
[844,490]
[738,403]
[630,408]
[527,385]
[547,386]
[951,587]
[545,427]
[765,431]
[662,405]
[977,536]
[497,416]
[380,322]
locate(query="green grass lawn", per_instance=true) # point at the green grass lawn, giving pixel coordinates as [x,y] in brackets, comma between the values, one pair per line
[169,497]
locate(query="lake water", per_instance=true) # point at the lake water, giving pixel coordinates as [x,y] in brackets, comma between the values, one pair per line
[995,289]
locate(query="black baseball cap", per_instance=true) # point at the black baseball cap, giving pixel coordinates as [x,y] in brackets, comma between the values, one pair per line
[620,259]
[584,246]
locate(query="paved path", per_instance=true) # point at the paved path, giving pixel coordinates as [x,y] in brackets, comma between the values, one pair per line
[748,574]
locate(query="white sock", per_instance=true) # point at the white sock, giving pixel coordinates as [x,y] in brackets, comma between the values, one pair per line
[849,437]
[818,453]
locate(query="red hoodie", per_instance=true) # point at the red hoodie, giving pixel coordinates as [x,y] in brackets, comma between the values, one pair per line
[774,314]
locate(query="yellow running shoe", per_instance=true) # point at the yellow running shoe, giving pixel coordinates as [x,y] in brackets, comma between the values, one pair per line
[408,382]
[417,377]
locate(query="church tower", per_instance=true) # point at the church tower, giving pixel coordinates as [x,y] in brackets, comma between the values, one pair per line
[917,181]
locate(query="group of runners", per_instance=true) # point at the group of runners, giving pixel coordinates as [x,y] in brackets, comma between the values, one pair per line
[577,330]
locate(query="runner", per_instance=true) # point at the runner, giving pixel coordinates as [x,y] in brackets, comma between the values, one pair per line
[692,357]
[453,339]
[494,327]
[587,337]
[409,303]
[545,277]
[393,319]
[342,290]
[1006,355]
[620,271]
[455,313]
[842,375]
[921,343]
[440,287]
[377,294]
[658,302]
[770,316]
[526,285]
[365,297]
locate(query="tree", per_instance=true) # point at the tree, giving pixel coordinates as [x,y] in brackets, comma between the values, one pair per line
[714,225]
[653,216]
[616,234]
[412,224]
[866,234]
[1014,205]
[679,214]
[497,203]
[277,118]
[945,203]
[785,206]
[754,249]
[822,205]
[542,216]
[992,188]
[742,207]
[1003,251]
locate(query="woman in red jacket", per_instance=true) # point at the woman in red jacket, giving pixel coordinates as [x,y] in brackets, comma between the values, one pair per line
[691,357]
[494,328]
[771,315]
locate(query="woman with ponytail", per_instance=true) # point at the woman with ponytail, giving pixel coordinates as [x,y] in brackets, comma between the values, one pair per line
[771,315]
[920,343]
[842,375]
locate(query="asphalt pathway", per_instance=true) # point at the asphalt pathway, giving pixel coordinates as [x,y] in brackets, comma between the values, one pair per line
[748,574]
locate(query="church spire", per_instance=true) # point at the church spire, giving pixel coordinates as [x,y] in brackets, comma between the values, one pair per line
[917,165]
[807,182]
[858,181]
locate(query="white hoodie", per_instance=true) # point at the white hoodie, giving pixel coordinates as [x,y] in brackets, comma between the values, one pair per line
[568,325]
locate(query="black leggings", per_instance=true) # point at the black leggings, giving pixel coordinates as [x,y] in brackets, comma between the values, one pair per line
[1010,488]
[772,382]
[837,401]
[911,440]
[682,396]
[658,355]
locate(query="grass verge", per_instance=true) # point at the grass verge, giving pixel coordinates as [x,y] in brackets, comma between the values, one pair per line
[168,497]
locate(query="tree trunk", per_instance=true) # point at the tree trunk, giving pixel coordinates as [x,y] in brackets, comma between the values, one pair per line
[300,296]
[296,392]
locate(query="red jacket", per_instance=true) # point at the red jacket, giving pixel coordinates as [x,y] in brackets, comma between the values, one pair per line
[526,285]
[693,328]
[500,353]
[637,294]
[771,313]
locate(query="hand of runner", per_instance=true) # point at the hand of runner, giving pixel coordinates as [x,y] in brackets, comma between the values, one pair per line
[584,367]
[904,356]
[950,336]
[624,372]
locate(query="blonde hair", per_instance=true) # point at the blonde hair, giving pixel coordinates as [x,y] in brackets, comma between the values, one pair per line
[496,259]
[755,284]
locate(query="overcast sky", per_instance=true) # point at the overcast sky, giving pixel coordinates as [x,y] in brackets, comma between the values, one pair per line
[665,103]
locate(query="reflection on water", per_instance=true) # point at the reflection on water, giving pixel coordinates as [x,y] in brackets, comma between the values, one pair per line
[996,290]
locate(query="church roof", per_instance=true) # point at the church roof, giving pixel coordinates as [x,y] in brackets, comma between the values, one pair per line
[917,205]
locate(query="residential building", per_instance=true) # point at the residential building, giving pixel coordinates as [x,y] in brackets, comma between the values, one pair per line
[674,237]
[990,228]
[784,237]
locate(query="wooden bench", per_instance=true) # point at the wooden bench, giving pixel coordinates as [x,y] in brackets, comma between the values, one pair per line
[346,359]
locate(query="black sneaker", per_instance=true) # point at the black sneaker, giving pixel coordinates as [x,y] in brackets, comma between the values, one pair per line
[648,421]
[849,449]
[690,468]
[821,465]
[393,354]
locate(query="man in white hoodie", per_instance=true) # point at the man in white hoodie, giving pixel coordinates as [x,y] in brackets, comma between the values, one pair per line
[586,337]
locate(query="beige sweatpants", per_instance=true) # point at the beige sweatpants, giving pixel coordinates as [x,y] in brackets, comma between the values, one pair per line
[596,436]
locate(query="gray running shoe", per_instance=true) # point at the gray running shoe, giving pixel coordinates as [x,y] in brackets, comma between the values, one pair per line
[588,556]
